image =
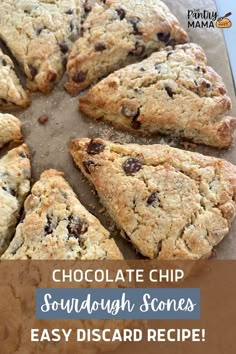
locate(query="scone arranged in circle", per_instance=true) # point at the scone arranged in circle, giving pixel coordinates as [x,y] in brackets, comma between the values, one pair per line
[169,203]
[40,34]
[172,92]
[116,33]
[57,226]
[10,129]
[12,94]
[15,174]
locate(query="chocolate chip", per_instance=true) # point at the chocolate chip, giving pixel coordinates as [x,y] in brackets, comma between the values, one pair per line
[172,42]
[48,229]
[43,119]
[89,166]
[52,76]
[129,112]
[152,198]
[121,13]
[132,165]
[100,47]
[79,77]
[72,26]
[87,7]
[135,22]
[69,12]
[169,91]
[138,50]
[158,67]
[9,190]
[136,124]
[64,47]
[76,226]
[39,30]
[198,68]
[23,155]
[142,69]
[163,36]
[169,53]
[159,247]
[4,62]
[33,71]
[94,147]
[203,70]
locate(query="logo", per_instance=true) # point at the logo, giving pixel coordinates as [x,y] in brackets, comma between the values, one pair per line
[207,19]
[224,22]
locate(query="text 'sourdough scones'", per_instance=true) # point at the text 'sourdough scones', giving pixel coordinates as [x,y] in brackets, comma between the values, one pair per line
[169,203]
[12,94]
[15,174]
[10,129]
[57,226]
[171,92]
[39,35]
[117,33]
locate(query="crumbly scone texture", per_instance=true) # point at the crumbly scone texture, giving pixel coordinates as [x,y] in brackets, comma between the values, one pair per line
[172,92]
[57,226]
[10,129]
[169,203]
[116,33]
[12,94]
[15,174]
[39,34]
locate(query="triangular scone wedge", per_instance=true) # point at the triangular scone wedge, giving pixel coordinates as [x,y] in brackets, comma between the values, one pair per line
[171,92]
[15,174]
[12,94]
[169,203]
[10,129]
[57,226]
[117,33]
[40,35]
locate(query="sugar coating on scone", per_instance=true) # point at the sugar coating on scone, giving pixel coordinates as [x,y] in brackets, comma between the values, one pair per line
[10,129]
[12,94]
[40,34]
[116,33]
[169,203]
[172,92]
[15,174]
[57,226]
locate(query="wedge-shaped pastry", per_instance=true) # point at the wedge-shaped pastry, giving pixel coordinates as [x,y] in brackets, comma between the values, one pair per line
[40,34]
[10,129]
[169,203]
[117,33]
[57,226]
[15,174]
[12,94]
[172,92]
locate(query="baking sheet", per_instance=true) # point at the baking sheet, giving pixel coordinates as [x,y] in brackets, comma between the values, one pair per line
[48,143]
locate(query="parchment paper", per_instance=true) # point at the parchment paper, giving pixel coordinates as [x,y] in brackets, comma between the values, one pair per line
[48,143]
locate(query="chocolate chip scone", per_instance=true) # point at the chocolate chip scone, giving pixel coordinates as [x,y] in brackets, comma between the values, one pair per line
[57,226]
[40,34]
[169,203]
[12,94]
[10,129]
[172,92]
[116,33]
[15,174]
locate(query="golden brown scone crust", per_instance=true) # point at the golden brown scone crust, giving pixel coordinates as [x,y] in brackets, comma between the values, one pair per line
[40,34]
[116,33]
[10,129]
[172,92]
[57,226]
[169,203]
[15,174]
[12,94]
